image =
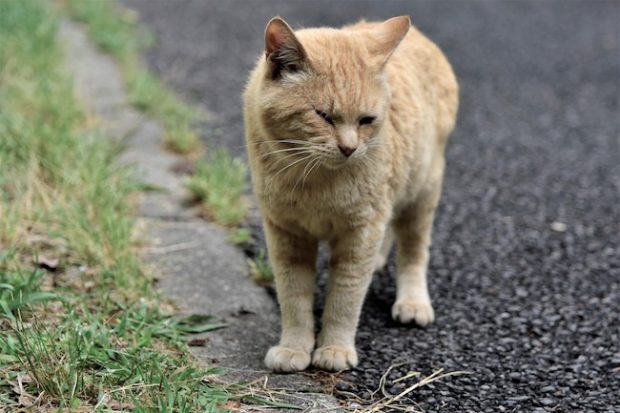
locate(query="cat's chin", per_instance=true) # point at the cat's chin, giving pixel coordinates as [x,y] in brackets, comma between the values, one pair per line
[335,165]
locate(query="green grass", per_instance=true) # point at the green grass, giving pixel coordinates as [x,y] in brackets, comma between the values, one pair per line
[260,268]
[88,333]
[241,236]
[219,182]
[114,30]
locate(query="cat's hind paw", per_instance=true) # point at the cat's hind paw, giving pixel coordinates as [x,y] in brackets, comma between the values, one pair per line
[286,360]
[406,311]
[334,358]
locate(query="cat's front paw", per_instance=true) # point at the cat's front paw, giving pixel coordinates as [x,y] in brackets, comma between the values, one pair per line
[420,311]
[286,360]
[334,358]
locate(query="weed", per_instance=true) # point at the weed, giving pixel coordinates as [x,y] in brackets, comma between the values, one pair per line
[241,236]
[147,93]
[260,268]
[219,182]
[114,29]
[20,289]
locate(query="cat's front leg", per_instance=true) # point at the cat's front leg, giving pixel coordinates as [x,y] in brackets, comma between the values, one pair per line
[293,258]
[413,227]
[352,263]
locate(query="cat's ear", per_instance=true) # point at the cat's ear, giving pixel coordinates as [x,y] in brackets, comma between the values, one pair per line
[387,37]
[282,49]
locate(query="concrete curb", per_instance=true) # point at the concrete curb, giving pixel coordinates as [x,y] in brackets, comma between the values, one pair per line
[194,263]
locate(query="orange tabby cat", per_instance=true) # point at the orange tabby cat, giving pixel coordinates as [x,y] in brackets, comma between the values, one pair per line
[346,130]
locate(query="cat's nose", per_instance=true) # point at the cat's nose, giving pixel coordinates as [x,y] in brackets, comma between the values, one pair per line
[346,150]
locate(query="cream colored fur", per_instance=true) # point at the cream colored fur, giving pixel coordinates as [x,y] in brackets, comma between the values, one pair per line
[316,90]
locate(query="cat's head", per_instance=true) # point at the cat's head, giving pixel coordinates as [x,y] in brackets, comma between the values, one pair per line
[325,91]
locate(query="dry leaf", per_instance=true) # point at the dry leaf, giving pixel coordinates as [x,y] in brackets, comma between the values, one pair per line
[122,406]
[24,399]
[197,342]
[48,263]
[232,404]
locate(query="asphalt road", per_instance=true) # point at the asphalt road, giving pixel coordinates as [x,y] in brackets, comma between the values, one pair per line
[525,265]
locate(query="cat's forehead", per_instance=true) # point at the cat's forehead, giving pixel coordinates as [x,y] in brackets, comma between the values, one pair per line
[342,62]
[335,52]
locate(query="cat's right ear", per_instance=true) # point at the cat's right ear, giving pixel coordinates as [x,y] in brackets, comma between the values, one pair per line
[282,49]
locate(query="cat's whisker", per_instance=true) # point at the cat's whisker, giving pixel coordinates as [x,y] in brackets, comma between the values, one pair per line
[289,141]
[307,167]
[303,149]
[287,156]
[368,160]
[323,151]
[372,161]
[304,173]
[273,178]
[292,164]
[375,143]
[317,163]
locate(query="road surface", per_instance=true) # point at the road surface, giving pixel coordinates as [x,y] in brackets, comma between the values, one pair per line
[525,267]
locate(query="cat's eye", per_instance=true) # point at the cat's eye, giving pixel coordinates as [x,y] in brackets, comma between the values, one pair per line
[325,116]
[366,120]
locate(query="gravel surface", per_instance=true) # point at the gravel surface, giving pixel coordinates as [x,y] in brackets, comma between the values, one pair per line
[525,267]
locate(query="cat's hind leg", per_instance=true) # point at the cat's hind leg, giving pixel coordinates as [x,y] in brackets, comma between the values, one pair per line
[386,248]
[413,228]
[293,259]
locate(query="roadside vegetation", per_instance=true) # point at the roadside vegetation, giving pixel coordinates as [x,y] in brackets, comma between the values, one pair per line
[80,327]
[260,269]
[219,181]
[241,237]
[115,31]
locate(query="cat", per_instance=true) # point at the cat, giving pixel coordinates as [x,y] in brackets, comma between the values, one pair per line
[345,131]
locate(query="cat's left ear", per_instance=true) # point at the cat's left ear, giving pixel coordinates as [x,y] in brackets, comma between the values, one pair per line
[387,37]
[282,49]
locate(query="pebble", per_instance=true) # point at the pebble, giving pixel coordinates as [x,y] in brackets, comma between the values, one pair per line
[547,401]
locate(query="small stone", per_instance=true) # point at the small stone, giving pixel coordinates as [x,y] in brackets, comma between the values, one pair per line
[342,386]
[558,226]
[547,401]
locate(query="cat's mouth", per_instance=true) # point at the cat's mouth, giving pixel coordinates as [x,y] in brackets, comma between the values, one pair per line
[316,155]
[337,161]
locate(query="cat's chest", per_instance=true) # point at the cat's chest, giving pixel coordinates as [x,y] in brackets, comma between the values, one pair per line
[323,211]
